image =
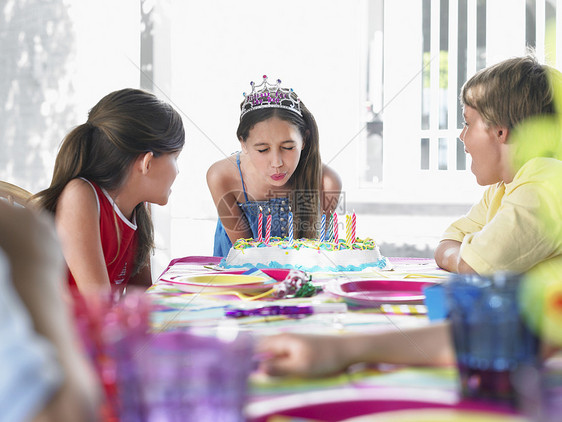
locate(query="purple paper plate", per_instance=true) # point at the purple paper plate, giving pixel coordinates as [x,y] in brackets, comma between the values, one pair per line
[334,406]
[377,292]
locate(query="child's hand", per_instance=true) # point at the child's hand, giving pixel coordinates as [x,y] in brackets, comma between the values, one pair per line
[302,355]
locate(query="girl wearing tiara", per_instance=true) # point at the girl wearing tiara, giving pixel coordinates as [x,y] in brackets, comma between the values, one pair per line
[106,172]
[279,168]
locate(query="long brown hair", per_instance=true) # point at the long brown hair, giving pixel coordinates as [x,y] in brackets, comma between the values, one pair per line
[306,180]
[120,127]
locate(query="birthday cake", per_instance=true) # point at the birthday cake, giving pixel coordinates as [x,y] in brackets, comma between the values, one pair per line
[306,254]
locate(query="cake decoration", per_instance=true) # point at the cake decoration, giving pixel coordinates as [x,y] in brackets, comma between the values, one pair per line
[310,255]
[260,225]
[283,243]
[290,225]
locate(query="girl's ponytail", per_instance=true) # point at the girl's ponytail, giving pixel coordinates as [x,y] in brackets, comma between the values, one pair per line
[70,161]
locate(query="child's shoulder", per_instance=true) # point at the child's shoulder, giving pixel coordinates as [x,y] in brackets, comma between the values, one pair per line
[78,203]
[223,172]
[331,180]
[540,169]
[78,191]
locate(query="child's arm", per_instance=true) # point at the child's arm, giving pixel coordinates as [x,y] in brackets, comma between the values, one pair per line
[448,257]
[219,180]
[77,221]
[331,190]
[311,355]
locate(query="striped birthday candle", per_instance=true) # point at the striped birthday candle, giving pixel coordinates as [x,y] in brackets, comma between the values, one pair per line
[348,229]
[323,228]
[260,226]
[336,229]
[353,227]
[268,227]
[290,227]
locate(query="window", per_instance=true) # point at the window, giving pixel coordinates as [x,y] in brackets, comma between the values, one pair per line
[415,70]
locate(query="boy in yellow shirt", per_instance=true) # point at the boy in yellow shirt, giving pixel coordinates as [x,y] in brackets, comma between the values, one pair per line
[506,229]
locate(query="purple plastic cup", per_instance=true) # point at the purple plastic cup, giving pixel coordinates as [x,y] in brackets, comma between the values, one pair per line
[187,377]
[540,392]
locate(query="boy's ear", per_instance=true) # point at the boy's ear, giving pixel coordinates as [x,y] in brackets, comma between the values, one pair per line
[502,133]
[145,162]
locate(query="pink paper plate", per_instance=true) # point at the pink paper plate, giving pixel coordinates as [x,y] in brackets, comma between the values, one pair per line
[343,405]
[377,292]
[278,274]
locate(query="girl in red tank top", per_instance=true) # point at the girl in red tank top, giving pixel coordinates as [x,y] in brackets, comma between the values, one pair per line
[107,172]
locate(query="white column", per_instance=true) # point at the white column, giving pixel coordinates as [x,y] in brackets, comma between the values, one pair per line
[540,30]
[452,98]
[505,32]
[402,94]
[162,215]
[435,58]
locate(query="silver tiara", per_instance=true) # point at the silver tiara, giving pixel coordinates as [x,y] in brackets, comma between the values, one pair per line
[266,95]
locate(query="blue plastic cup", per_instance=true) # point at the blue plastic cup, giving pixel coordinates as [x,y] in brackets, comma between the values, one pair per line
[492,342]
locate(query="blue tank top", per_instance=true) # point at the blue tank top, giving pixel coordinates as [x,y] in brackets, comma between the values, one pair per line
[279,208]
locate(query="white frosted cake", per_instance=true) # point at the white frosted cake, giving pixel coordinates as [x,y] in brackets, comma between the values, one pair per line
[306,255]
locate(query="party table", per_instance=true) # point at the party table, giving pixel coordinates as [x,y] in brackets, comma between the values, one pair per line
[181,299]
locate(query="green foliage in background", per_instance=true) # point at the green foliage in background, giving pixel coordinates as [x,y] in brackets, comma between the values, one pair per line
[443,69]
